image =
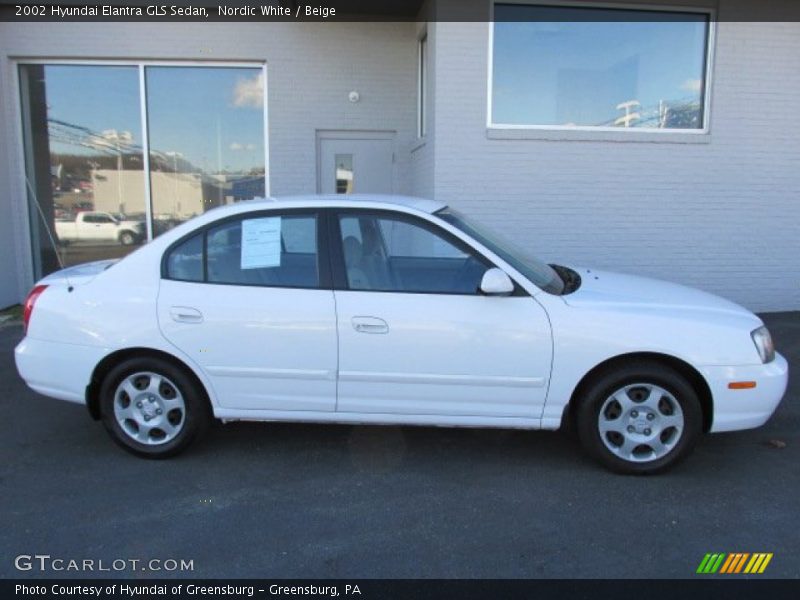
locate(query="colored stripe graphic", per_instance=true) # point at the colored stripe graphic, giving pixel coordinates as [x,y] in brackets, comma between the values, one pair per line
[711,563]
[764,564]
[703,563]
[729,562]
[734,562]
[741,562]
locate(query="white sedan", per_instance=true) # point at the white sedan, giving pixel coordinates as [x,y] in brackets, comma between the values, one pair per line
[390,310]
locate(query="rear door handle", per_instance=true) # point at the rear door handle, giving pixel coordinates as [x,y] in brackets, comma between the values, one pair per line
[185,314]
[370,325]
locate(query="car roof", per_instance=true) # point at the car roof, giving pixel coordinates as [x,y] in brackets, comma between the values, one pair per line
[344,201]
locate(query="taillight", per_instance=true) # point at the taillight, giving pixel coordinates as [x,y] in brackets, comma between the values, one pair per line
[30,301]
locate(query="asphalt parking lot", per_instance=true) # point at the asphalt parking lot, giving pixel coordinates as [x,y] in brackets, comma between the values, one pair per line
[287,500]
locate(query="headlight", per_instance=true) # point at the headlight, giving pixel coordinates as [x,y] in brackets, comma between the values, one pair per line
[763,341]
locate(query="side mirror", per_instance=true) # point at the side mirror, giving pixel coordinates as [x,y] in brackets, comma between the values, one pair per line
[496,283]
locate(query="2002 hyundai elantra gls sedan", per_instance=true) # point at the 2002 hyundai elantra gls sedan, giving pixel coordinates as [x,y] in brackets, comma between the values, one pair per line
[390,310]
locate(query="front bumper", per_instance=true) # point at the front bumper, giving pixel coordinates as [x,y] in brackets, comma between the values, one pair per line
[746,408]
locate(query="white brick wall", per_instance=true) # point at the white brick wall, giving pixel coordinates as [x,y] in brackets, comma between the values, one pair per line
[721,215]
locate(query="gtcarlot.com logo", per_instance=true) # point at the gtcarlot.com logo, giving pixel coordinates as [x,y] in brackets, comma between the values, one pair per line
[45,562]
[734,562]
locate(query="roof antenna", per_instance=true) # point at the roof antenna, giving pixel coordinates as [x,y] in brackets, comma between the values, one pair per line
[47,228]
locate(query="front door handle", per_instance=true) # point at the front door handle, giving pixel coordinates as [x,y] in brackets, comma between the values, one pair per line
[185,314]
[370,325]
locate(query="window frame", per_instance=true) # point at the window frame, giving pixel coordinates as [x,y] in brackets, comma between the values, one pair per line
[705,130]
[422,86]
[323,255]
[336,250]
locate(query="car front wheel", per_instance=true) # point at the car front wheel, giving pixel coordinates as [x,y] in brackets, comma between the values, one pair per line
[151,408]
[641,419]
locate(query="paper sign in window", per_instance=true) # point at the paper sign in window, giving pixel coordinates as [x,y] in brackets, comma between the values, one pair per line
[261,243]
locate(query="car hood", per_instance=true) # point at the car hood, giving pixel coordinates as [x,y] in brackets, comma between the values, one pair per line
[607,289]
[79,274]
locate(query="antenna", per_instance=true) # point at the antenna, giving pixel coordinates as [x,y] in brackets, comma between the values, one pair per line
[47,228]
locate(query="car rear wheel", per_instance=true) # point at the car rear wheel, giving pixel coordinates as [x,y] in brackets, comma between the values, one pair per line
[640,419]
[151,408]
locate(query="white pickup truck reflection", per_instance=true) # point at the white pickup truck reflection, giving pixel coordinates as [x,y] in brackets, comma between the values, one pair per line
[100,227]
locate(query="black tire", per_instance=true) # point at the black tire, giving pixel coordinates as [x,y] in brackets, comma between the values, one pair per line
[647,373]
[194,418]
[127,238]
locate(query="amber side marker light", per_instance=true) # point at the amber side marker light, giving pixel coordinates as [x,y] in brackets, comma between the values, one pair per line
[741,385]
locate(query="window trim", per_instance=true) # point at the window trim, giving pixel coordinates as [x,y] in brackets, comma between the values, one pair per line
[336,251]
[323,259]
[587,130]
[141,65]
[422,86]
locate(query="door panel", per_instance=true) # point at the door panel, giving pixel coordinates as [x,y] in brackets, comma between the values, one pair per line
[443,354]
[249,300]
[262,348]
[416,337]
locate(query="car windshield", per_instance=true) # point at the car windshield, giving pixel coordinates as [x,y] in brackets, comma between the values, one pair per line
[539,273]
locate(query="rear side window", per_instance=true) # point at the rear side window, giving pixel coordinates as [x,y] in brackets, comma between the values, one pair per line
[269,250]
[185,261]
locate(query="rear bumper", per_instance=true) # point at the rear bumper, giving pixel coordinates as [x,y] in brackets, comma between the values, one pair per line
[746,408]
[56,369]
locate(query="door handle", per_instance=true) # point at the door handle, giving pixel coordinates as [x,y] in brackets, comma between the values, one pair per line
[370,325]
[185,314]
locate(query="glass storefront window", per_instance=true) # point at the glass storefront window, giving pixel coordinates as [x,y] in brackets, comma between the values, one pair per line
[83,151]
[206,128]
[85,165]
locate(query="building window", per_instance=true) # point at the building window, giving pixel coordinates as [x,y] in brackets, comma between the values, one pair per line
[603,68]
[145,144]
[344,173]
[422,87]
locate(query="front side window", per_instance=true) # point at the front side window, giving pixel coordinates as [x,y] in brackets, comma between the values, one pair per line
[598,67]
[268,250]
[537,272]
[394,254]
